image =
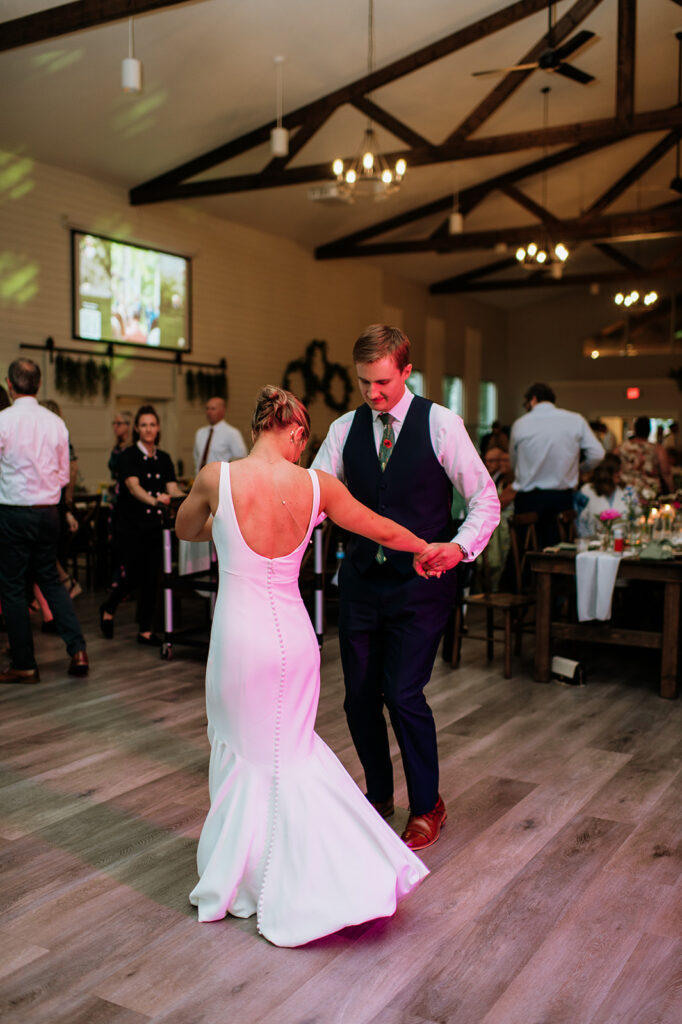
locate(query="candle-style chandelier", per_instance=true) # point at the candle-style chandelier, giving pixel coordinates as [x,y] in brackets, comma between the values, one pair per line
[542,252]
[368,173]
[635,298]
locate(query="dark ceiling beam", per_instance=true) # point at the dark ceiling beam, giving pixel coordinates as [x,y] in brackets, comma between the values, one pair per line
[510,83]
[625,73]
[670,257]
[536,279]
[390,224]
[468,199]
[618,257]
[390,123]
[624,226]
[542,214]
[485,271]
[634,173]
[404,66]
[73,17]
[602,131]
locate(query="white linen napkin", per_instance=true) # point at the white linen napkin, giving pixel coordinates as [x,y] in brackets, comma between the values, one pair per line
[596,573]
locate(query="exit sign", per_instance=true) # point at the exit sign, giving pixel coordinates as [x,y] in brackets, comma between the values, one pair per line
[632,393]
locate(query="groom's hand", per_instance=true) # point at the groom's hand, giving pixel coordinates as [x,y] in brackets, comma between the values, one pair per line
[438,558]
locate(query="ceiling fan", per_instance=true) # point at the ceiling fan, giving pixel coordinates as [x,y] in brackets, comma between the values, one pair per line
[553,58]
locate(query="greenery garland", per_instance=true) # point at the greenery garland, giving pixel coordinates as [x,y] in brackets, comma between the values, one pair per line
[80,379]
[313,384]
[202,385]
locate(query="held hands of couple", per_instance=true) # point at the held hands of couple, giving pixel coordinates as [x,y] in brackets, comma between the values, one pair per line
[437,558]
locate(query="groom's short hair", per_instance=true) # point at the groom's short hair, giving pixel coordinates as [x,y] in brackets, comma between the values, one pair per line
[380,340]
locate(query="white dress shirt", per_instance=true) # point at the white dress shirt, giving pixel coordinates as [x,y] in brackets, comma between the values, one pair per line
[548,446]
[227,444]
[456,454]
[34,454]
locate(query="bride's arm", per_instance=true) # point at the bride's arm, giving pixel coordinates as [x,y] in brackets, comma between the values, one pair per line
[340,505]
[195,518]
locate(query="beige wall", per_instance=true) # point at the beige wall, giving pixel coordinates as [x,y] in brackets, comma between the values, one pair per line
[257,301]
[546,343]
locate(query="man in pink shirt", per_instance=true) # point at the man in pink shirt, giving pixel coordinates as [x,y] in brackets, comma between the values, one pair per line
[34,466]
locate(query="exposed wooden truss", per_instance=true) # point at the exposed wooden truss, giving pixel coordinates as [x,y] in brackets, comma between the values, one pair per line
[577,139]
[72,17]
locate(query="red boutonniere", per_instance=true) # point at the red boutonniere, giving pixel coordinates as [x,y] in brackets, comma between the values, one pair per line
[387,442]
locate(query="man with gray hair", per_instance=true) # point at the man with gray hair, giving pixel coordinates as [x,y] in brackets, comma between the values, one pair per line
[34,466]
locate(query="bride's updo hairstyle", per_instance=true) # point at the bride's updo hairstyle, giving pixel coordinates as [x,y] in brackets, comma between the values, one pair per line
[277,408]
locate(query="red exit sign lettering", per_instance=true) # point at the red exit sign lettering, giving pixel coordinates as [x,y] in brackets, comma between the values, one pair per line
[632,393]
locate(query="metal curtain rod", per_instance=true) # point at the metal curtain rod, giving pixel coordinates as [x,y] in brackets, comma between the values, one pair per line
[176,360]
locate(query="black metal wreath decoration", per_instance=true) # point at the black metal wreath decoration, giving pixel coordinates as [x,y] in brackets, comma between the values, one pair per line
[313,384]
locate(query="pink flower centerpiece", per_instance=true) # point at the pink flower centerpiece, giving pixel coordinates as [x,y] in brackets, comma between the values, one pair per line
[608,518]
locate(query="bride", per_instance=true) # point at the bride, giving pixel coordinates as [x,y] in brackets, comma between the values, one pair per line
[289,836]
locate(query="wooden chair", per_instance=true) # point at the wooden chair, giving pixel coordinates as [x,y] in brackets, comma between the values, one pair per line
[512,606]
[566,521]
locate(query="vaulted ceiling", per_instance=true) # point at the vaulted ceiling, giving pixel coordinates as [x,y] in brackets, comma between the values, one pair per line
[598,175]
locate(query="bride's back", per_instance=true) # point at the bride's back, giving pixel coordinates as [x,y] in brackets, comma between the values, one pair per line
[272,503]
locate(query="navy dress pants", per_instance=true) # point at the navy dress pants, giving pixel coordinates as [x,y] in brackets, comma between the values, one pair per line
[28,551]
[390,626]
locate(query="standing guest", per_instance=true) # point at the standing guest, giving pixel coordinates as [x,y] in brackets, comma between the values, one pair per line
[148,484]
[645,466]
[123,432]
[548,447]
[671,442]
[67,518]
[34,466]
[401,455]
[219,441]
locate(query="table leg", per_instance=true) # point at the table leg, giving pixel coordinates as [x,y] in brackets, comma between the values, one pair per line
[670,640]
[543,618]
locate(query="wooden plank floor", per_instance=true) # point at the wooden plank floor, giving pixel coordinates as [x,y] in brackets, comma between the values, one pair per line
[556,888]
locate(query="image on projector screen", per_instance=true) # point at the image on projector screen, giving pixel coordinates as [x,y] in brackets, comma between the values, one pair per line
[130,295]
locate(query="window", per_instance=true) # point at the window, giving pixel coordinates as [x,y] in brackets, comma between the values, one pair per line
[453,394]
[487,406]
[415,383]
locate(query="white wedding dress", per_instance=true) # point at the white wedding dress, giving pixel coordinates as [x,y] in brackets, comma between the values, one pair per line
[289,835]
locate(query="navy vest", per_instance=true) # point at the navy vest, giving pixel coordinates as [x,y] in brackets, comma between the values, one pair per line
[414,489]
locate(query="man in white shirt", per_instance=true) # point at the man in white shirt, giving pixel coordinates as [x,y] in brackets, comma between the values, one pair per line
[34,466]
[548,448]
[401,455]
[218,442]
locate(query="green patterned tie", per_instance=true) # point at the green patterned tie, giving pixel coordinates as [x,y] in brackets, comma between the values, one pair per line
[385,452]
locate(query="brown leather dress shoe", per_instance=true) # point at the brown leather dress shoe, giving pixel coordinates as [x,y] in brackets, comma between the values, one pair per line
[422,830]
[19,675]
[79,665]
[385,807]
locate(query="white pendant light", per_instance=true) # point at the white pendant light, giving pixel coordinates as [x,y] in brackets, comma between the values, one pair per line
[131,68]
[279,136]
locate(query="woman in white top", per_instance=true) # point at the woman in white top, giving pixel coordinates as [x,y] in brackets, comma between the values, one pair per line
[601,493]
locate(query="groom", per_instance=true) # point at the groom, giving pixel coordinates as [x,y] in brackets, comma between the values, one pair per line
[401,455]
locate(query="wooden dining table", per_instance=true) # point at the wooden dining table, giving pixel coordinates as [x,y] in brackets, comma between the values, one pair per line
[551,566]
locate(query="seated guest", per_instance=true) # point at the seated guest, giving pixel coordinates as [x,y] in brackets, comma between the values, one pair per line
[601,493]
[148,483]
[497,552]
[644,465]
